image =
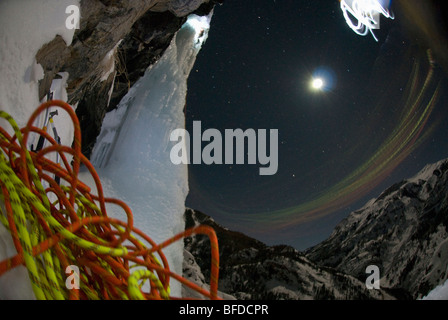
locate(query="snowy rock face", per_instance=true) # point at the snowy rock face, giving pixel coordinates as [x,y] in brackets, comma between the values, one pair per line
[403,232]
[251,270]
[131,30]
[180,8]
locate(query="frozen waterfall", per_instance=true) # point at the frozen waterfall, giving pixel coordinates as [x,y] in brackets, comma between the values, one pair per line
[132,152]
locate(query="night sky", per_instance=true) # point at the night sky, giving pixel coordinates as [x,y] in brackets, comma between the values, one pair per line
[382,117]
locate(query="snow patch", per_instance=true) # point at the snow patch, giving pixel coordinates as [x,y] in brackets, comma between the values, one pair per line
[438,293]
[14,284]
[26,26]
[108,62]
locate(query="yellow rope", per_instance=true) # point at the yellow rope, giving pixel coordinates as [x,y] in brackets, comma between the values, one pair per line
[73,229]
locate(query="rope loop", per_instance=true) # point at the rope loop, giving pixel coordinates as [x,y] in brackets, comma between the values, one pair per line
[61,231]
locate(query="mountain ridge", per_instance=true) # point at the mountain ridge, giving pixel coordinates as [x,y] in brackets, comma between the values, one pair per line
[252,270]
[403,231]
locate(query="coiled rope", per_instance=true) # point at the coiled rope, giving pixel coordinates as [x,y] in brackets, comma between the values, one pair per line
[114,258]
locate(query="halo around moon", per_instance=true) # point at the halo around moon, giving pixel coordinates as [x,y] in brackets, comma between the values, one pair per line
[322,79]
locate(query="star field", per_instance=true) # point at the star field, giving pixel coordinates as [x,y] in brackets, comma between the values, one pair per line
[338,147]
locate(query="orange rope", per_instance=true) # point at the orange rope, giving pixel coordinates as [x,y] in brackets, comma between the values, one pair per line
[81,215]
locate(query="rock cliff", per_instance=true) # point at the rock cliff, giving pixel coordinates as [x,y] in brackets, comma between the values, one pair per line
[116,42]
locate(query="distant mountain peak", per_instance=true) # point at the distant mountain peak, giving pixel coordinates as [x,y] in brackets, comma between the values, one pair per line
[403,231]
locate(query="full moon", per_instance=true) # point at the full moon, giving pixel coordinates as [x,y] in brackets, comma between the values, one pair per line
[317,83]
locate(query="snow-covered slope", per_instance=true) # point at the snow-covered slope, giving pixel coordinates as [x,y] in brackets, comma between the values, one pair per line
[403,232]
[24,27]
[438,293]
[192,271]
